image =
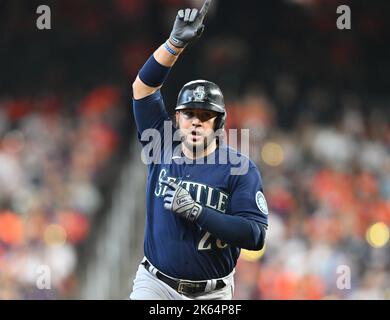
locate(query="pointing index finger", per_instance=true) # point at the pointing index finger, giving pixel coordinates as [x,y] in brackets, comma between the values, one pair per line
[205,8]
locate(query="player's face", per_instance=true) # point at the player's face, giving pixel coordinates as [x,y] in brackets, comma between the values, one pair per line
[196,127]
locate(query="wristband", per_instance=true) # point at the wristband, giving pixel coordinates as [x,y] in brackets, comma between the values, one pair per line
[169,49]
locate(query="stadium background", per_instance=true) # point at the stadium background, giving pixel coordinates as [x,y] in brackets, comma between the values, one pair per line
[316,101]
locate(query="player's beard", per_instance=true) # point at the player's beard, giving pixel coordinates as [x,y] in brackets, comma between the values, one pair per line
[198,147]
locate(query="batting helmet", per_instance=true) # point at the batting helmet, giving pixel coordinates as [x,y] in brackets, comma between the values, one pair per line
[203,94]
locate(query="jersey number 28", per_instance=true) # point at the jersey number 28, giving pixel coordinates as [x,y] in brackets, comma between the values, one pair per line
[206,242]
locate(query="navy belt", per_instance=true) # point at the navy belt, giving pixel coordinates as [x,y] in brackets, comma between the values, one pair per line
[184,286]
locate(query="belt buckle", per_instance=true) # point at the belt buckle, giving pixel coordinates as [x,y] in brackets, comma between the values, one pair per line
[183,284]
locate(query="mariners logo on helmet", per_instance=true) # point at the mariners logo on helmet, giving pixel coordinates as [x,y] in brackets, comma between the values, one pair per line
[199,94]
[203,94]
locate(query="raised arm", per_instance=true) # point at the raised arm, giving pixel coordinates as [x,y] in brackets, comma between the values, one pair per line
[187,27]
[164,58]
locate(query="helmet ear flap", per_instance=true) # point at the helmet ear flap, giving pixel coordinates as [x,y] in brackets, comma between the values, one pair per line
[219,122]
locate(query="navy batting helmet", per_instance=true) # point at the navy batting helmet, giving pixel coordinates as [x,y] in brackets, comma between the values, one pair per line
[203,94]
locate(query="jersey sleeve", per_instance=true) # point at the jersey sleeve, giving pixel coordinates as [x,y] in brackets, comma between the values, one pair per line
[149,113]
[247,198]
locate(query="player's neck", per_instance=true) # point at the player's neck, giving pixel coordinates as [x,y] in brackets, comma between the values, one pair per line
[191,154]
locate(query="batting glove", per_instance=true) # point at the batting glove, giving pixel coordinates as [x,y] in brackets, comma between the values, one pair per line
[178,200]
[188,25]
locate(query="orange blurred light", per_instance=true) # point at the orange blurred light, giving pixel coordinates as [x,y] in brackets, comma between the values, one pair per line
[11,228]
[54,235]
[272,154]
[378,235]
[250,255]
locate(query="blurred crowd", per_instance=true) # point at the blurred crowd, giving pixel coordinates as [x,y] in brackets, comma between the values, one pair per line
[53,165]
[314,98]
[328,193]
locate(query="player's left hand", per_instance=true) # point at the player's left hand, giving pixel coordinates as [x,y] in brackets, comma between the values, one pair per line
[178,200]
[188,25]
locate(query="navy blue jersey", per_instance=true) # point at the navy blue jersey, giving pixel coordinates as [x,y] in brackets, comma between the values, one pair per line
[175,246]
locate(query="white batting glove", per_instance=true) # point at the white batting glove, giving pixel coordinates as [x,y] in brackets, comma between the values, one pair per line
[178,200]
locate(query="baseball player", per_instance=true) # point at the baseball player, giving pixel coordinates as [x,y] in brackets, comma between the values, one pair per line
[198,214]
